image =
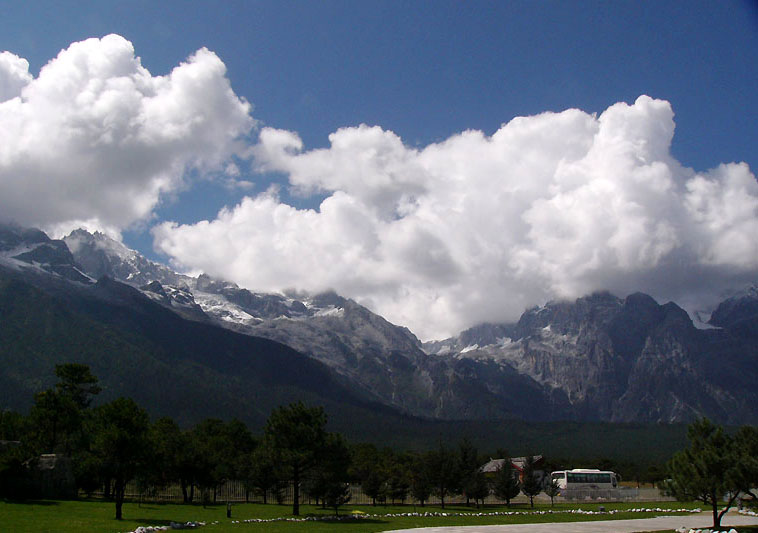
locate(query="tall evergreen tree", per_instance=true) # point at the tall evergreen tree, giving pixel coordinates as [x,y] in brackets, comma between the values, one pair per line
[329,473]
[468,465]
[52,416]
[368,467]
[337,494]
[333,464]
[398,483]
[296,435]
[420,479]
[262,473]
[709,469]
[746,446]
[59,414]
[506,485]
[119,444]
[78,383]
[476,487]
[444,473]
[552,489]
[531,484]
[167,445]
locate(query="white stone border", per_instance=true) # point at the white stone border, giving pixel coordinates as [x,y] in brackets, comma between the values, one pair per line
[364,516]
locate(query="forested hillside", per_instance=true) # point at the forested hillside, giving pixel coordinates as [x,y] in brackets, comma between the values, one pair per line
[191,371]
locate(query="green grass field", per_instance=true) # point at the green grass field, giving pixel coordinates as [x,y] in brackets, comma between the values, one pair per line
[97,516]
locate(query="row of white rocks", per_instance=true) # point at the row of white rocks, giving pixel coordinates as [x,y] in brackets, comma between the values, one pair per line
[172,525]
[741,511]
[686,530]
[441,513]
[192,525]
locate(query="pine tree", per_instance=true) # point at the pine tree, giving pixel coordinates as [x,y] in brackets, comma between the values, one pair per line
[476,487]
[506,485]
[337,494]
[444,473]
[531,484]
[119,444]
[295,435]
[552,489]
[710,468]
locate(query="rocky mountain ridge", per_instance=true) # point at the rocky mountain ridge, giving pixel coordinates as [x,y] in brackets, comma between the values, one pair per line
[382,361]
[598,358]
[629,359]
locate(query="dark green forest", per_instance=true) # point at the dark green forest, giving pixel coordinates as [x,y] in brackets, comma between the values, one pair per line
[111,444]
[191,371]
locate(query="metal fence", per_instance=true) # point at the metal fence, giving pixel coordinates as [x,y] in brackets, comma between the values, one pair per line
[619,494]
[235,492]
[231,491]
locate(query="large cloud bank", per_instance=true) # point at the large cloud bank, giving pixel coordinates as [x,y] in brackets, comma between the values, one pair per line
[476,228]
[95,139]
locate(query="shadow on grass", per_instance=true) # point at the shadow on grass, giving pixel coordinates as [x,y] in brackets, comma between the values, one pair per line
[348,520]
[204,506]
[31,502]
[152,521]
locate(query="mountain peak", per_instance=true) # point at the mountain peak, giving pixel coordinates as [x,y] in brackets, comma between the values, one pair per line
[32,249]
[739,312]
[81,238]
[101,255]
[640,299]
[12,236]
[597,357]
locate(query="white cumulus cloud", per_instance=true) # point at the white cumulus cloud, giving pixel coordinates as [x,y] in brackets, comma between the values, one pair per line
[14,75]
[95,137]
[477,227]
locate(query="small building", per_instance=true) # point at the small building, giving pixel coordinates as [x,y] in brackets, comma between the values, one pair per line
[52,476]
[517,463]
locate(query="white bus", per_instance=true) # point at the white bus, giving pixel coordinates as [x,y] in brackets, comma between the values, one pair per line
[586,479]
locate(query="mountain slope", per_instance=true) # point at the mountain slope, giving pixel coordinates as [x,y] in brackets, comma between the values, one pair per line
[628,359]
[190,371]
[598,358]
[175,367]
[381,360]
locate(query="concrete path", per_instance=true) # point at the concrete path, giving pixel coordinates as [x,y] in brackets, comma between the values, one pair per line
[694,521]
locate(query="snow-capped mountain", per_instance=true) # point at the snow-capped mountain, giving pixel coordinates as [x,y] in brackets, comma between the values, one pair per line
[629,359]
[380,359]
[598,358]
[739,313]
[186,369]
[99,256]
[31,249]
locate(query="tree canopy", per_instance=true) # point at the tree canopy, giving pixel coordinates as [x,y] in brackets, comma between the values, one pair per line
[531,484]
[296,435]
[77,382]
[715,466]
[443,472]
[119,444]
[506,485]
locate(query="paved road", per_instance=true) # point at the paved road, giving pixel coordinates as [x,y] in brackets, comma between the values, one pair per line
[696,521]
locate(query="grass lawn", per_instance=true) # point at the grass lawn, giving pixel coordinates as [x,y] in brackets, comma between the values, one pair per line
[97,516]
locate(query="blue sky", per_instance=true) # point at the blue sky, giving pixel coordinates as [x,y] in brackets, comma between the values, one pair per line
[426,71]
